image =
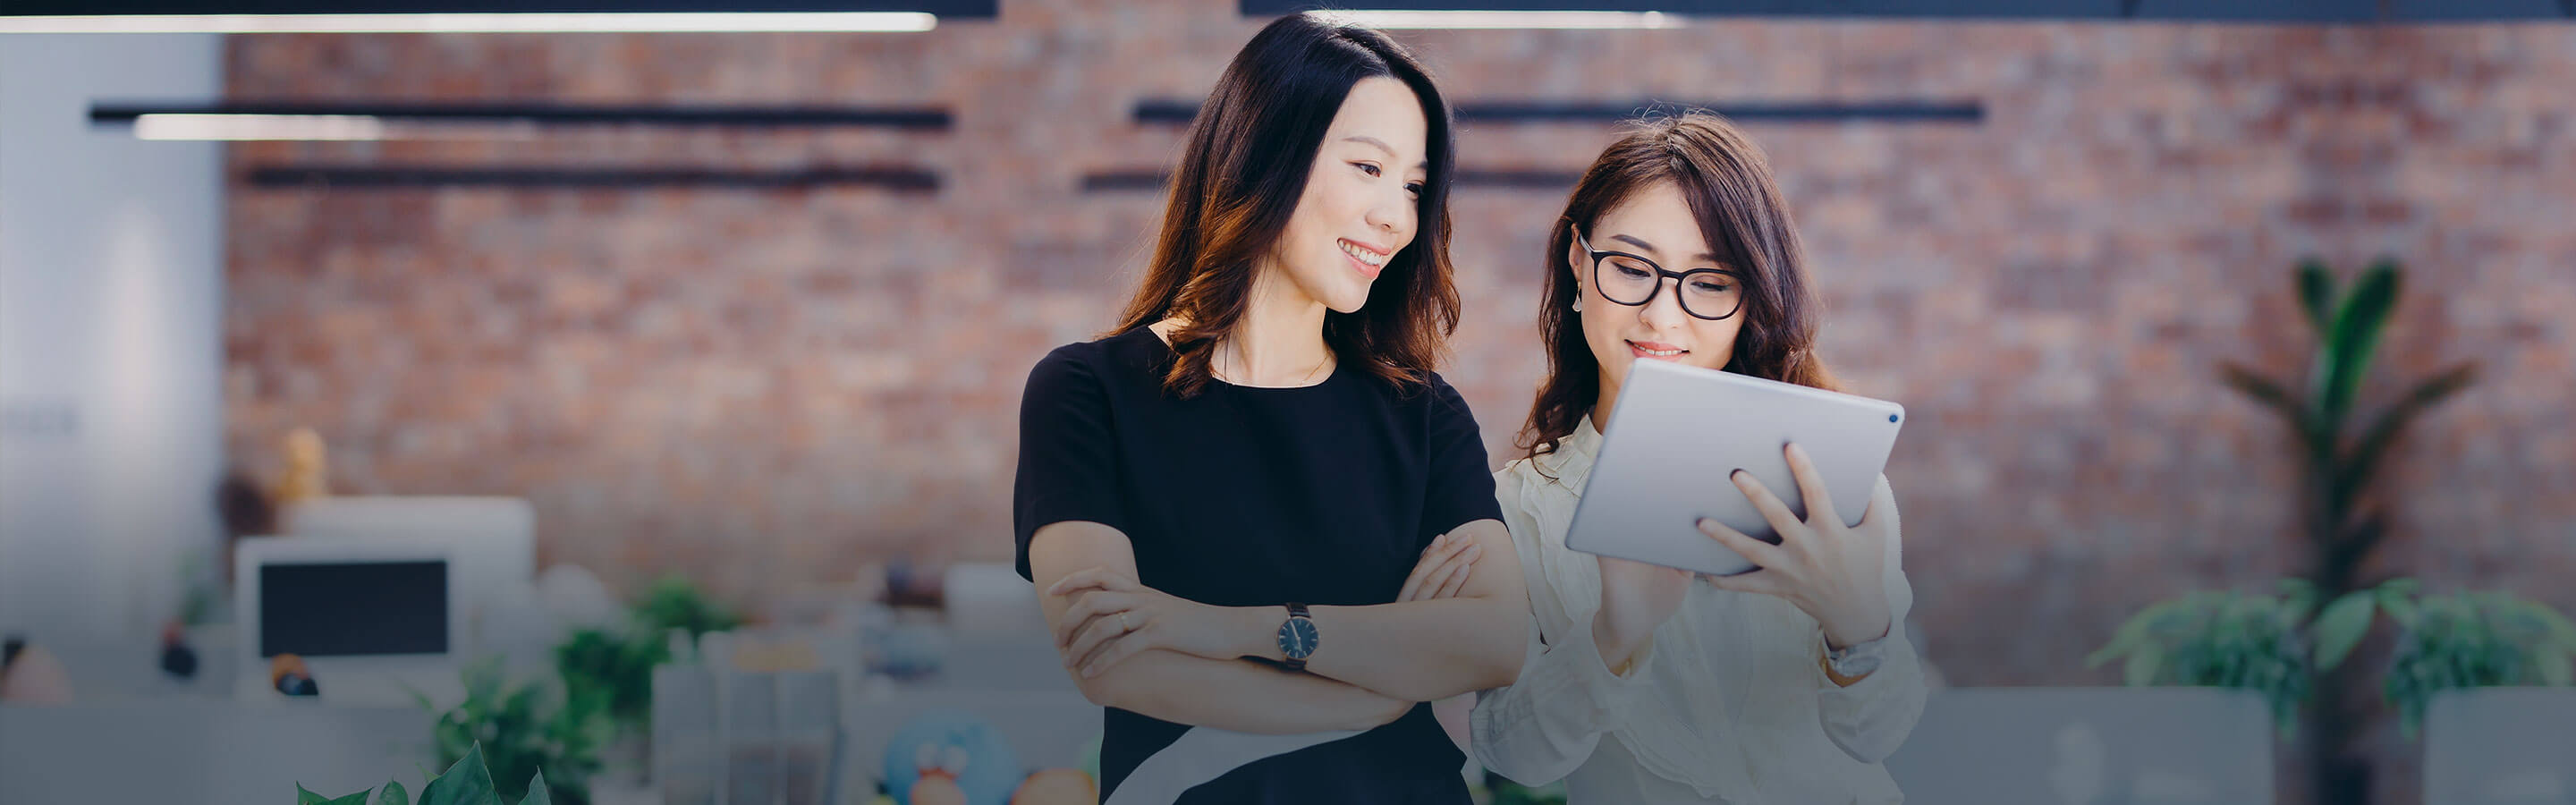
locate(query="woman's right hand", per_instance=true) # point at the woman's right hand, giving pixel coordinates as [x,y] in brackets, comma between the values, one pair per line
[1635,598]
[1442,571]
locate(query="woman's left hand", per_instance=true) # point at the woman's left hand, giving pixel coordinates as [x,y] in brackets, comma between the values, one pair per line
[1829,570]
[1113,617]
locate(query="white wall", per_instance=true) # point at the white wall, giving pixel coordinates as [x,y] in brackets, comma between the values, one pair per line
[111,268]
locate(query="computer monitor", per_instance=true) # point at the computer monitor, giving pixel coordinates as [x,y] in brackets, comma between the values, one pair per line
[495,537]
[374,619]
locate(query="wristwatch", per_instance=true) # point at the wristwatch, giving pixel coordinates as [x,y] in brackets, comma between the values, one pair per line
[1297,637]
[1856,660]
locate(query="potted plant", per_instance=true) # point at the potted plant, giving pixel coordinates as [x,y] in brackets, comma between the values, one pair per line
[522,727]
[2256,641]
[466,782]
[2471,640]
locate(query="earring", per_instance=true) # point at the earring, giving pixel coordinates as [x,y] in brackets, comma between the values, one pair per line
[1578,304]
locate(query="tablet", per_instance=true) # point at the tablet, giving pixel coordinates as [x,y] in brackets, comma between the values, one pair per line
[1678,431]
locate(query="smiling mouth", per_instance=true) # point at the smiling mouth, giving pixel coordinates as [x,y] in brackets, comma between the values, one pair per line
[1369,260]
[1656,350]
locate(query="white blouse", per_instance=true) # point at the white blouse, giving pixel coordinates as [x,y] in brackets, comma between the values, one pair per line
[1728,704]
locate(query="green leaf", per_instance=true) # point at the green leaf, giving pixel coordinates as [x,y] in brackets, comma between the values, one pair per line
[2142,666]
[304,797]
[537,791]
[674,603]
[393,794]
[2556,669]
[2298,598]
[2363,463]
[2561,630]
[2263,390]
[2345,356]
[2316,293]
[2341,627]
[2400,609]
[466,783]
[2131,633]
[2440,613]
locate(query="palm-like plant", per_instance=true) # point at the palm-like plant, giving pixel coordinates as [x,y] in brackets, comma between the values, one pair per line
[2338,463]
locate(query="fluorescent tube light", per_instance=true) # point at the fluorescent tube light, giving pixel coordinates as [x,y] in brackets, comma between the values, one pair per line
[258,127]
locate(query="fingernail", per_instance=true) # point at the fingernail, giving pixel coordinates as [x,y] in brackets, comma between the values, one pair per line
[1736,476]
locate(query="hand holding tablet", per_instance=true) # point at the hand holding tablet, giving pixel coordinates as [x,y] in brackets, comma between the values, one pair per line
[1830,570]
[1683,432]
[1685,481]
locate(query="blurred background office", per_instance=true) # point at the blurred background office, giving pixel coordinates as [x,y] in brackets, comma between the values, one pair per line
[737,321]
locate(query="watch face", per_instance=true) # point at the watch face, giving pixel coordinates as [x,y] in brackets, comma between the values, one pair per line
[1858,660]
[1297,638]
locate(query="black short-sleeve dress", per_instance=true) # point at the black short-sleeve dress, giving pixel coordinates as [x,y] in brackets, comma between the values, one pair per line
[1245,496]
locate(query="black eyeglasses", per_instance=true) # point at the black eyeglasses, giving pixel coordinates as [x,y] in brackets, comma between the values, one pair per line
[1706,293]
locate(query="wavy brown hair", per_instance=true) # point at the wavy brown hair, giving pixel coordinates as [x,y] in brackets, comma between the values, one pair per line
[1240,177]
[1727,181]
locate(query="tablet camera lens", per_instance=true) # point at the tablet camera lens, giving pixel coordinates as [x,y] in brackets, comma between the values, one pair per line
[1891,417]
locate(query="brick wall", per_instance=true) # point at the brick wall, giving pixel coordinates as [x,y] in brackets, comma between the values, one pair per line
[770,388]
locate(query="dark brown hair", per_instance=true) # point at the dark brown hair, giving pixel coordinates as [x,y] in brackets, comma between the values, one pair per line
[1240,177]
[1727,181]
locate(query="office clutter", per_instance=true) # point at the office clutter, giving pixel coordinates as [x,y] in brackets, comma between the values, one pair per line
[420,627]
[862,701]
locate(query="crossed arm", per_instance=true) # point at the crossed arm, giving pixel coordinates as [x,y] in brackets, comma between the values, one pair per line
[1139,649]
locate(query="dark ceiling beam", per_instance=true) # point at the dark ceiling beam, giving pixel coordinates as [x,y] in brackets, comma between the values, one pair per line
[379,177]
[944,9]
[1168,112]
[920,117]
[1153,181]
[2250,11]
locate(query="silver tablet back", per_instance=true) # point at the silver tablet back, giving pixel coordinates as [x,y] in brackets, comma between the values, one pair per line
[1676,434]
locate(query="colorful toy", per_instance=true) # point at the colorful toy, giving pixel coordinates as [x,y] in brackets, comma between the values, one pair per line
[935,788]
[1057,787]
[307,462]
[957,750]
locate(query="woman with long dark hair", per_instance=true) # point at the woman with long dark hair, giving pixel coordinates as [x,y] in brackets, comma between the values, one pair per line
[1222,500]
[1647,684]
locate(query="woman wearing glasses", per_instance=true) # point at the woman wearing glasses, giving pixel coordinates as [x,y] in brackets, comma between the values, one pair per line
[1650,685]
[1221,501]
